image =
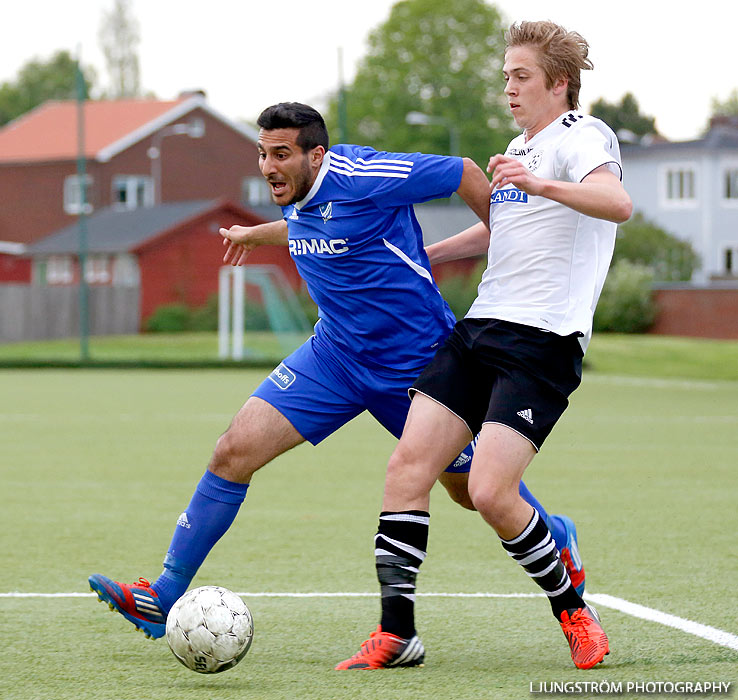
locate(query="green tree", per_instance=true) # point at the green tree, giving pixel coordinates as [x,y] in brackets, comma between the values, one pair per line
[624,115]
[119,39]
[727,107]
[642,242]
[626,304]
[442,59]
[39,81]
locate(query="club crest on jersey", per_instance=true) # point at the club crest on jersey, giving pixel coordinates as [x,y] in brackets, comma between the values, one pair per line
[326,211]
[509,194]
[535,161]
[282,376]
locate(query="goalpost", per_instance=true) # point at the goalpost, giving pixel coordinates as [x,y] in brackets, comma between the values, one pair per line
[285,315]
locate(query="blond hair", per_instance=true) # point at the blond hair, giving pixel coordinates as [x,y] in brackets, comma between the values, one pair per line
[561,54]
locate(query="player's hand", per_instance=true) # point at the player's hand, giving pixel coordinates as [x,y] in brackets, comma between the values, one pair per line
[509,171]
[236,238]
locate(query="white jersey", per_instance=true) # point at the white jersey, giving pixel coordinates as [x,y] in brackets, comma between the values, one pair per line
[546,262]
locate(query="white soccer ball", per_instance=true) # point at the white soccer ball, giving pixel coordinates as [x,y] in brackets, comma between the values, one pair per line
[209,629]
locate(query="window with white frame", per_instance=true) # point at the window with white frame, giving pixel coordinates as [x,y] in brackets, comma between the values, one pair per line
[97,269]
[59,269]
[730,184]
[255,191]
[681,184]
[132,191]
[77,196]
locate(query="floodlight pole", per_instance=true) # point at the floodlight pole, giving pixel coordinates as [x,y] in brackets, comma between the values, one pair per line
[84,327]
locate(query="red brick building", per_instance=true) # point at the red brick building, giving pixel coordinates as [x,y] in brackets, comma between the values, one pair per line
[160,178]
[138,153]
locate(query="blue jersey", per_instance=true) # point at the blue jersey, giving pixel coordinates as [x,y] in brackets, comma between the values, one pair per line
[359,248]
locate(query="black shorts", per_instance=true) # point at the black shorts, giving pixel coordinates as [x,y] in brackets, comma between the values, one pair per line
[491,371]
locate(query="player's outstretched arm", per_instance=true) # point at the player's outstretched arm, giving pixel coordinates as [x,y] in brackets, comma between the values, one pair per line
[468,243]
[241,240]
[600,195]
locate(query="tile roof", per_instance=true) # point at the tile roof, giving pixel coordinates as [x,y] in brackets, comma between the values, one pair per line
[49,132]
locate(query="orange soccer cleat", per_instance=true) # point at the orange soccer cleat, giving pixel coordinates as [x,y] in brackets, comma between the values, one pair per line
[587,640]
[385,650]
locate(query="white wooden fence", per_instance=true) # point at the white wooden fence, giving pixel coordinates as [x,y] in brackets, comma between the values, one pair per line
[31,312]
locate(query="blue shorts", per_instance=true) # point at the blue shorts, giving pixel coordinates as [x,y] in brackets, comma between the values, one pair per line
[318,389]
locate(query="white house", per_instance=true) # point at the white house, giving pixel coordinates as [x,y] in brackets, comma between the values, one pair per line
[690,189]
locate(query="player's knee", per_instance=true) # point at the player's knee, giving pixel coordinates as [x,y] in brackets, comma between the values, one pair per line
[495,503]
[397,469]
[230,458]
[405,476]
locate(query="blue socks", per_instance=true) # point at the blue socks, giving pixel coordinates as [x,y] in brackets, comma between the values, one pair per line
[211,512]
[558,532]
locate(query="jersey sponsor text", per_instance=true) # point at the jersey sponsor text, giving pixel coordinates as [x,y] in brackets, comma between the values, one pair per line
[307,246]
[510,194]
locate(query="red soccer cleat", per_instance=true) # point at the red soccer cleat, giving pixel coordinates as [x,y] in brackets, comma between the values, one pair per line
[385,650]
[587,640]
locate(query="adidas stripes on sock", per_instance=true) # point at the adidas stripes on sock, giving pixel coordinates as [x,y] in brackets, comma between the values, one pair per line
[535,550]
[210,513]
[400,547]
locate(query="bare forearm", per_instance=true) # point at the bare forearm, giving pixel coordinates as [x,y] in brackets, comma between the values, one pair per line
[601,200]
[466,244]
[474,190]
[600,194]
[271,233]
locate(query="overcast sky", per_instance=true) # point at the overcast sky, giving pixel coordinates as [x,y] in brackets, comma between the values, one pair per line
[674,57]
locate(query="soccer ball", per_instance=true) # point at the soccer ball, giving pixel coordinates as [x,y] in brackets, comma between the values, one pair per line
[209,629]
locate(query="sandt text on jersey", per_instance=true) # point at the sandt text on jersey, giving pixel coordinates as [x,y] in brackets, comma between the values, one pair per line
[509,194]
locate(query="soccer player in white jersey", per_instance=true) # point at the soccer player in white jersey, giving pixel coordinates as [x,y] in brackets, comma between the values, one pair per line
[509,366]
[352,232]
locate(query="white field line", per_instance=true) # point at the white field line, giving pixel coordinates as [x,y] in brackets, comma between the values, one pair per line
[725,639]
[697,629]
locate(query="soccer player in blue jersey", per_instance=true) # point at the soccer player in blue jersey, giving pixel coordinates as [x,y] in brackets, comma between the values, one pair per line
[351,230]
[509,366]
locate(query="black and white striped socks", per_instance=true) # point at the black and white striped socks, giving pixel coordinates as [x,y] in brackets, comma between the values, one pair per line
[399,549]
[535,550]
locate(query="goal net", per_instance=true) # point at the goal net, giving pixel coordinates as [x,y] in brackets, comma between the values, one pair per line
[262,293]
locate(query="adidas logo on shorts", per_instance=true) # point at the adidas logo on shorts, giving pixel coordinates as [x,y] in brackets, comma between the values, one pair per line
[526,414]
[461,460]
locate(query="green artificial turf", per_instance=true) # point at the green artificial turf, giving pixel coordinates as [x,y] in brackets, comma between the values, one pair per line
[97,466]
